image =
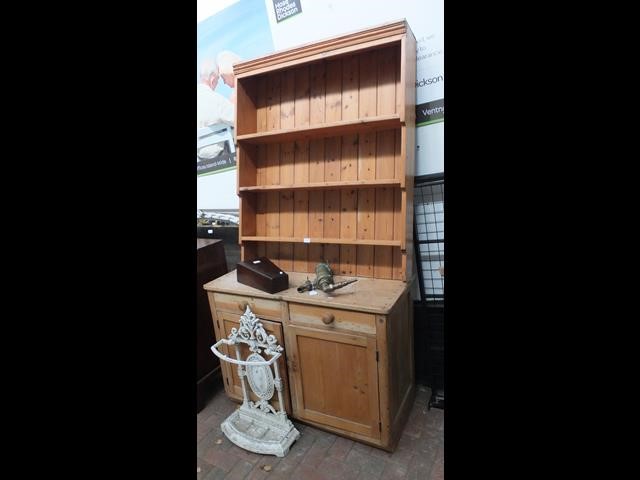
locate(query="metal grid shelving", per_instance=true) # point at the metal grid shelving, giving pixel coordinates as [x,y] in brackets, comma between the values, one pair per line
[429,236]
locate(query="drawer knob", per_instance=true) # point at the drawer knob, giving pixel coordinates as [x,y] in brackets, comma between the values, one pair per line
[327,318]
[243,305]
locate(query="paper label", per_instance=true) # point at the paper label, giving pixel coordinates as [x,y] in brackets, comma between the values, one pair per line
[306,240]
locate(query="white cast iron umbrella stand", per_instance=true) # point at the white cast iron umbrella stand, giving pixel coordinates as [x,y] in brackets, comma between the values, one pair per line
[256,426]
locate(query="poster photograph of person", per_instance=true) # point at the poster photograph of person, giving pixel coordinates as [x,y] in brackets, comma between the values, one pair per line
[234,33]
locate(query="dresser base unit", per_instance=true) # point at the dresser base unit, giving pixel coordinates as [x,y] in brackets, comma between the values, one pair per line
[348,361]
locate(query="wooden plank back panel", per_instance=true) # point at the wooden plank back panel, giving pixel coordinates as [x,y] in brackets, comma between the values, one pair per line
[272,251]
[365,230]
[385,168]
[331,214]
[261,104]
[385,154]
[246,106]
[349,105]
[367,107]
[367,156]
[332,255]
[300,257]
[333,92]
[286,256]
[316,161]
[272,166]
[287,164]
[367,100]
[332,160]
[364,260]
[367,90]
[249,250]
[273,101]
[273,225]
[383,231]
[247,165]
[333,112]
[316,200]
[348,260]
[350,86]
[316,255]
[261,214]
[301,203]
[349,158]
[398,232]
[348,230]
[286,228]
[287,98]
[261,165]
[287,167]
[386,80]
[261,222]
[332,226]
[302,94]
[248,215]
[317,87]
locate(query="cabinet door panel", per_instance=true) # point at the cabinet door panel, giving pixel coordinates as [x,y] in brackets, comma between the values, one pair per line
[334,379]
[229,321]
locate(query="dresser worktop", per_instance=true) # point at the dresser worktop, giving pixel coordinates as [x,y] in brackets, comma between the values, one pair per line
[366,295]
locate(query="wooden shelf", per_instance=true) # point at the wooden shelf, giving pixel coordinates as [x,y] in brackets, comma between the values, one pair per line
[325,185]
[320,240]
[343,127]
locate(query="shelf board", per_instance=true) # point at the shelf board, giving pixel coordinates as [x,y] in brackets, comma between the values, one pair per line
[343,127]
[345,241]
[325,185]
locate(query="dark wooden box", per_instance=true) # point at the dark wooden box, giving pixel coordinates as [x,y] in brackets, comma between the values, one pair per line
[263,274]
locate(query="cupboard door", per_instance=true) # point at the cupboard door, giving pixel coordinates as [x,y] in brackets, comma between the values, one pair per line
[232,380]
[334,378]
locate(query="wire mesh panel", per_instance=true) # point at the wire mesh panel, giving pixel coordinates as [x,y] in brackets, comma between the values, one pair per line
[429,237]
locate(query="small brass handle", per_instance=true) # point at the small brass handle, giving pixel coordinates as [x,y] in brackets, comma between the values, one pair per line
[327,318]
[243,305]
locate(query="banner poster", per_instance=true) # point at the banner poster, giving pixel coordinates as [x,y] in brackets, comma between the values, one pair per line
[239,31]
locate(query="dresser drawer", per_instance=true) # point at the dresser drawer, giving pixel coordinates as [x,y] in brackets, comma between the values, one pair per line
[238,304]
[331,318]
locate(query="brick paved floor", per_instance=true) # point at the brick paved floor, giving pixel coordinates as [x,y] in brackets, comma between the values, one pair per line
[319,455]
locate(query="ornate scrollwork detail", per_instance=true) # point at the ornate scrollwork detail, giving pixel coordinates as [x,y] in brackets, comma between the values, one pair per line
[252,333]
[260,378]
[264,406]
[278,384]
